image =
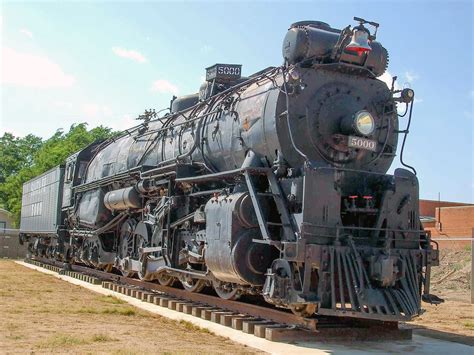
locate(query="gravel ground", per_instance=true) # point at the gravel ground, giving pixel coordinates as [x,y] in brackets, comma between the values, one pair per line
[41,314]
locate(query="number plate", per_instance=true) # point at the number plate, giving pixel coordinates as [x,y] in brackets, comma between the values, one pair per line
[362,143]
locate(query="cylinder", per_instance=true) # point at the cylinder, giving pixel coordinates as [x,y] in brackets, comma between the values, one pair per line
[123,199]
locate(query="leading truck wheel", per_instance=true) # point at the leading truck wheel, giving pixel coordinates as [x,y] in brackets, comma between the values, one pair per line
[193,285]
[226,290]
[165,279]
[304,310]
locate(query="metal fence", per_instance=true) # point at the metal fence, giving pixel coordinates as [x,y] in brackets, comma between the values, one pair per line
[10,245]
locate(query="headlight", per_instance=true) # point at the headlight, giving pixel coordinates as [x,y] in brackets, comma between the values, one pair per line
[364,123]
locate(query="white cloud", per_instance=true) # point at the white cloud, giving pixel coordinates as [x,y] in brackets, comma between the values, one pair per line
[125,122]
[92,110]
[63,105]
[411,76]
[26,32]
[468,115]
[205,49]
[164,87]
[37,71]
[387,79]
[129,54]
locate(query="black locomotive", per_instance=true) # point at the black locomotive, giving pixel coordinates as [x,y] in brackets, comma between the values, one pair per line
[273,184]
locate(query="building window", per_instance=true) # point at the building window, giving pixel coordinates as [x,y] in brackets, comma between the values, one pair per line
[3,227]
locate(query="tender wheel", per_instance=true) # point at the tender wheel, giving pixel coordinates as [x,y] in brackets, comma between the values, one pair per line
[193,285]
[226,290]
[304,310]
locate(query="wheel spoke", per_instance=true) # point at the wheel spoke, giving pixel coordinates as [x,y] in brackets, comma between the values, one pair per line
[193,285]
[226,291]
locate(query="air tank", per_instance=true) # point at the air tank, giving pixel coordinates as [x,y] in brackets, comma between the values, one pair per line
[122,199]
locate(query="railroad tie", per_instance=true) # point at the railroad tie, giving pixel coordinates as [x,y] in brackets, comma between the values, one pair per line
[286,334]
[172,304]
[206,313]
[260,329]
[248,326]
[150,297]
[216,316]
[188,308]
[145,295]
[196,311]
[164,301]
[238,321]
[226,319]
[180,306]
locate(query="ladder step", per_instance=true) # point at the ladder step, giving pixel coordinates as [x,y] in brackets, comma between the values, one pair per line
[278,224]
[268,194]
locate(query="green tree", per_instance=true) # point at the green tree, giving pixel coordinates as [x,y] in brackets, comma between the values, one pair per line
[43,156]
[16,153]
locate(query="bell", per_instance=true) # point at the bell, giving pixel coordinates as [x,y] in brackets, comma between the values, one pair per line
[360,41]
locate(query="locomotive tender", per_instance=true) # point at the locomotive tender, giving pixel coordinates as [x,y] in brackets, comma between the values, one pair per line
[273,184]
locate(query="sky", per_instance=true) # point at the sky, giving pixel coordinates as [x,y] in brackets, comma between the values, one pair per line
[105,62]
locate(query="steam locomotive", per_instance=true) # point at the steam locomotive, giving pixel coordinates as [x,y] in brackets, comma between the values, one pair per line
[273,185]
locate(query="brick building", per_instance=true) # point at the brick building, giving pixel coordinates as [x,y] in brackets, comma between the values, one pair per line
[448,220]
[9,243]
[5,220]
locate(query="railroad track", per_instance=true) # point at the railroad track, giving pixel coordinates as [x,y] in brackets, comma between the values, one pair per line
[261,320]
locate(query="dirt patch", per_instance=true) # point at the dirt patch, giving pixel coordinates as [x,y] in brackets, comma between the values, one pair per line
[450,281]
[42,314]
[452,317]
[452,278]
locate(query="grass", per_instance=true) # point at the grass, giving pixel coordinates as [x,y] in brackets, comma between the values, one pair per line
[126,311]
[82,322]
[122,311]
[62,340]
[458,266]
[469,324]
[68,340]
[11,326]
[193,327]
[102,338]
[111,299]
